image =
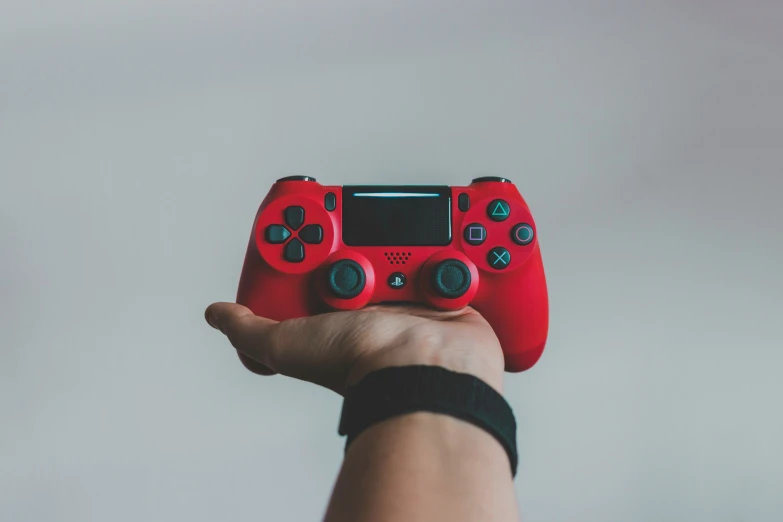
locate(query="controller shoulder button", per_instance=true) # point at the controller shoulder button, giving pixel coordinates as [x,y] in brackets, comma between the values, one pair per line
[495,179]
[296,178]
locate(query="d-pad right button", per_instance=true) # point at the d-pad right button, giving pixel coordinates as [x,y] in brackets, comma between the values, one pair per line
[312,234]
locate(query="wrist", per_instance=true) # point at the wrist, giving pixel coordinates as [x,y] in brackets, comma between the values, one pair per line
[453,442]
[487,365]
[398,391]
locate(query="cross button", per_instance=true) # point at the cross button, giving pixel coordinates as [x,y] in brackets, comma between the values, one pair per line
[499,258]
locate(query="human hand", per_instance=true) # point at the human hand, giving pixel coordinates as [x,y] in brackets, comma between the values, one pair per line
[337,349]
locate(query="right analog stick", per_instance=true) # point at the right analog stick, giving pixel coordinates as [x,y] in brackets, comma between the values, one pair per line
[451,278]
[345,279]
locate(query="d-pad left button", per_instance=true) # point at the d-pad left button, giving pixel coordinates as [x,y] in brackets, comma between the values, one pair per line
[294,251]
[294,217]
[277,234]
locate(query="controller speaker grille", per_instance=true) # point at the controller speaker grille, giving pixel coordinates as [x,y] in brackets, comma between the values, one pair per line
[397,258]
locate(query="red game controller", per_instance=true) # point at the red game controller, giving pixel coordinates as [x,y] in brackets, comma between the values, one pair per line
[318,248]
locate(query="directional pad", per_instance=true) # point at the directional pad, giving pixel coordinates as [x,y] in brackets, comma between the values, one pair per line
[294,234]
[312,234]
[277,234]
[294,217]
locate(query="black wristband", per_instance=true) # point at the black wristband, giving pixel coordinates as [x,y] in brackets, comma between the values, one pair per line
[398,390]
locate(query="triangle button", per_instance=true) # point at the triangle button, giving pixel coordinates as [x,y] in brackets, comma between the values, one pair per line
[498,210]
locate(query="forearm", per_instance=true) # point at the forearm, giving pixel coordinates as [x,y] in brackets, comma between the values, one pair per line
[424,467]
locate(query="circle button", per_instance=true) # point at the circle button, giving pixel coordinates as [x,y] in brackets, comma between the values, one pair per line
[522,234]
[345,279]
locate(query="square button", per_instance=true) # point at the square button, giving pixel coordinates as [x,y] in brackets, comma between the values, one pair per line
[475,234]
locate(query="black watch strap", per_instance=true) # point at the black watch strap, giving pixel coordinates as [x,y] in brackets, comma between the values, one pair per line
[398,390]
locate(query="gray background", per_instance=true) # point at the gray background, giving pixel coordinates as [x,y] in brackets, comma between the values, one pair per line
[137,139]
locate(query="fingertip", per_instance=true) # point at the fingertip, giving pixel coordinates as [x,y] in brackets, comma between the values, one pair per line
[255,366]
[217,314]
[208,316]
[247,332]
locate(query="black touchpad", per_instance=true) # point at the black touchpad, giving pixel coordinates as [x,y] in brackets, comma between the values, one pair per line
[396,215]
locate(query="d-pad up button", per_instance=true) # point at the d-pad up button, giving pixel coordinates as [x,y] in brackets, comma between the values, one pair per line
[294,217]
[499,258]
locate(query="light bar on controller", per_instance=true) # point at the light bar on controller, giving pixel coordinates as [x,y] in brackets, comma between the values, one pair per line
[395,195]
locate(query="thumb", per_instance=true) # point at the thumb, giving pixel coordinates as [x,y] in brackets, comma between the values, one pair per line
[311,348]
[247,332]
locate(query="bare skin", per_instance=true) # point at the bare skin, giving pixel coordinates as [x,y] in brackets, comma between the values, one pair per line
[416,467]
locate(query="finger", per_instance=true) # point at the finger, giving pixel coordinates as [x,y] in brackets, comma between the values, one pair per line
[470,316]
[255,366]
[245,331]
[218,315]
[307,348]
[424,312]
[412,309]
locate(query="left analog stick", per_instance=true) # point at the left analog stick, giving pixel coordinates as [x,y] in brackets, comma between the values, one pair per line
[345,279]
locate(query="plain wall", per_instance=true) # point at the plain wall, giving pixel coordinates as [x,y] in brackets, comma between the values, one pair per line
[138,137]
